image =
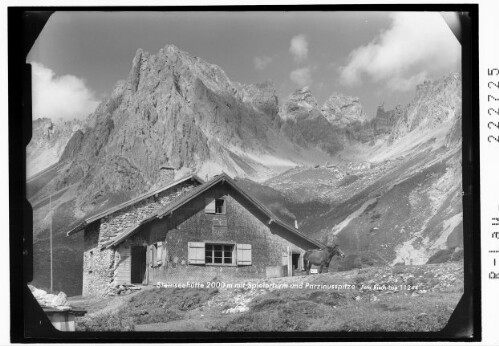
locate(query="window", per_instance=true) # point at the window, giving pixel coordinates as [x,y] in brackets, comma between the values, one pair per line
[215,206]
[219,253]
[219,206]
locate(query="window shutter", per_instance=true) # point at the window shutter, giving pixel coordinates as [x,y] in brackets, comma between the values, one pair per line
[195,253]
[244,254]
[148,255]
[159,253]
[153,254]
[210,207]
[164,257]
[285,258]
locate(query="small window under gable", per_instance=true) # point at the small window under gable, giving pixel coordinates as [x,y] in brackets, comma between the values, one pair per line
[216,206]
[219,206]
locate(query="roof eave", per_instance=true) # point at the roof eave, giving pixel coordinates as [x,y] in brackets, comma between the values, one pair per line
[77,229]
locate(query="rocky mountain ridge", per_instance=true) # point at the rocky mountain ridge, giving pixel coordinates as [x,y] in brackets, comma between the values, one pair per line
[176,109]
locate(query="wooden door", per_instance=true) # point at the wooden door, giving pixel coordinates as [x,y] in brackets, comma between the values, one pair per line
[138,264]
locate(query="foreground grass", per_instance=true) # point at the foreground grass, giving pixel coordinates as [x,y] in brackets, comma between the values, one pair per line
[426,306]
[151,306]
[337,312]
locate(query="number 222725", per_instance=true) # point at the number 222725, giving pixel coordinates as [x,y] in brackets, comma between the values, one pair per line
[491,98]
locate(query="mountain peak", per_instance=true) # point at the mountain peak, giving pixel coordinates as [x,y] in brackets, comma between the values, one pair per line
[303,97]
[342,110]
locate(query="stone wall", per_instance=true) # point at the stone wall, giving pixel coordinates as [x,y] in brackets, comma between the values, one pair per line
[98,265]
[118,222]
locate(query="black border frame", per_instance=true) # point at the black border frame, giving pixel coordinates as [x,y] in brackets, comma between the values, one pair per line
[29,323]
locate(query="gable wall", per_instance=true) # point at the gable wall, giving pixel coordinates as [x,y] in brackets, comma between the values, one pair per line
[99,265]
[121,220]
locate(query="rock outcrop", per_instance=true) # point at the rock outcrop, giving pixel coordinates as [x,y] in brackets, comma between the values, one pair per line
[299,105]
[435,103]
[303,123]
[341,110]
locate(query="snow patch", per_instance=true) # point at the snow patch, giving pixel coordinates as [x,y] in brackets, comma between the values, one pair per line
[408,254]
[448,225]
[269,160]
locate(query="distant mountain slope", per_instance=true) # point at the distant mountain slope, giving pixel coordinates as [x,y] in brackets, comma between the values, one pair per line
[48,140]
[400,195]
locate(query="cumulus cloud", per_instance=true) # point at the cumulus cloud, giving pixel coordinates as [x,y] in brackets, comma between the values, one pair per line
[261,62]
[299,48]
[416,46]
[302,76]
[65,97]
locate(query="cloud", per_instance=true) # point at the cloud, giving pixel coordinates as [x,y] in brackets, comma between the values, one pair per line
[261,62]
[65,97]
[299,48]
[416,46]
[302,76]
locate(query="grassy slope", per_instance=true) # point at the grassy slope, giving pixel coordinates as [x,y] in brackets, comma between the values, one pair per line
[426,307]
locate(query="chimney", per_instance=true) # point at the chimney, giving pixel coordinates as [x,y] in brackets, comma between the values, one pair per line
[296,224]
[166,175]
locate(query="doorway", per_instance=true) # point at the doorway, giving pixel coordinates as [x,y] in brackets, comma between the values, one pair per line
[295,261]
[138,269]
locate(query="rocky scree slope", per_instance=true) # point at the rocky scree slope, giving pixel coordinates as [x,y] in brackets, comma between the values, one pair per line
[48,141]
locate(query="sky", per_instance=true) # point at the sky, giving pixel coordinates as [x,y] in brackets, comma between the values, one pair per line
[379,57]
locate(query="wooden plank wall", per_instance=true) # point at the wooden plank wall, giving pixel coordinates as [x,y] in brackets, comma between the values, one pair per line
[123,271]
